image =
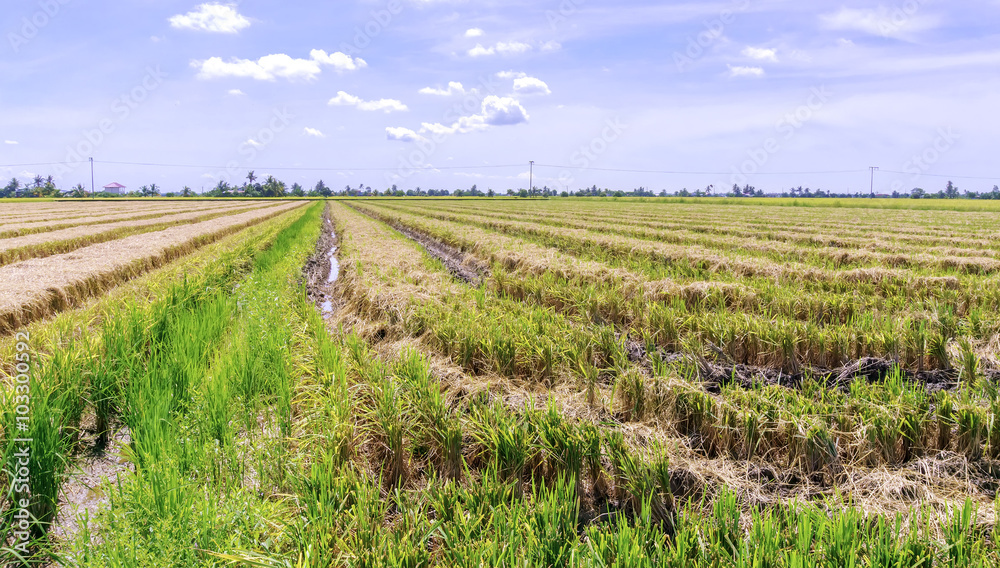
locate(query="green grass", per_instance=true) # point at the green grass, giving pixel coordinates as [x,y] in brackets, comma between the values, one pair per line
[147,372]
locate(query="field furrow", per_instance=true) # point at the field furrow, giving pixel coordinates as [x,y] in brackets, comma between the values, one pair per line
[812,430]
[35,288]
[968,261]
[964,242]
[40,245]
[755,323]
[140,213]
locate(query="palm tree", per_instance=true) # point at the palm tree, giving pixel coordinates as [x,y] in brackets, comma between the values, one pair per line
[12,189]
[273,187]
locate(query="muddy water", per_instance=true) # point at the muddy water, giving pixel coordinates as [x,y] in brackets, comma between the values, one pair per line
[321,292]
[327,306]
[334,267]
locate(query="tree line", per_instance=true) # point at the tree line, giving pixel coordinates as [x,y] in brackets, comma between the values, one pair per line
[273,187]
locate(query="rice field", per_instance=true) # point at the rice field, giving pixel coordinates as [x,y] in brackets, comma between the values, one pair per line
[499,382]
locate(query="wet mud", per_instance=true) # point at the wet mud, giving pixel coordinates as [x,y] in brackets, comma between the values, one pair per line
[322,269]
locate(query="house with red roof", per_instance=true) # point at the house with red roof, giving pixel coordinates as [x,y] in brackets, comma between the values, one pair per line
[115,187]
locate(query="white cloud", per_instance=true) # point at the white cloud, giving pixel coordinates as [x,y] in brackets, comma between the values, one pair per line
[253,143]
[11,142]
[454,88]
[236,92]
[512,47]
[502,47]
[761,53]
[496,111]
[480,51]
[551,45]
[473,32]
[511,74]
[880,22]
[387,105]
[402,134]
[212,17]
[436,128]
[503,111]
[339,61]
[744,71]
[313,132]
[531,86]
[271,67]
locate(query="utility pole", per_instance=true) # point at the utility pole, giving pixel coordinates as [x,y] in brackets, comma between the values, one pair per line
[872,186]
[92,178]
[531,177]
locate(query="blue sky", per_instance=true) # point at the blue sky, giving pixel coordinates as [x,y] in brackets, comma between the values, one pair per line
[446,94]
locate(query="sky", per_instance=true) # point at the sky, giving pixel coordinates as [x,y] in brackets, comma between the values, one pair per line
[444,94]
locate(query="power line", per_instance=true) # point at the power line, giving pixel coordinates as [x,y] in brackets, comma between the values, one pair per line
[943,175]
[308,169]
[40,164]
[426,168]
[706,173]
[277,168]
[485,166]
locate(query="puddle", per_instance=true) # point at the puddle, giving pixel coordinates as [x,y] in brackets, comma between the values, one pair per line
[334,267]
[320,292]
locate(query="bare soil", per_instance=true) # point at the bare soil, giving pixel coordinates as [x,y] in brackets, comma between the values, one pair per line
[870,369]
[723,372]
[461,265]
[96,467]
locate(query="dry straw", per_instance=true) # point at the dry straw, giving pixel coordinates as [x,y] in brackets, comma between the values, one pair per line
[36,288]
